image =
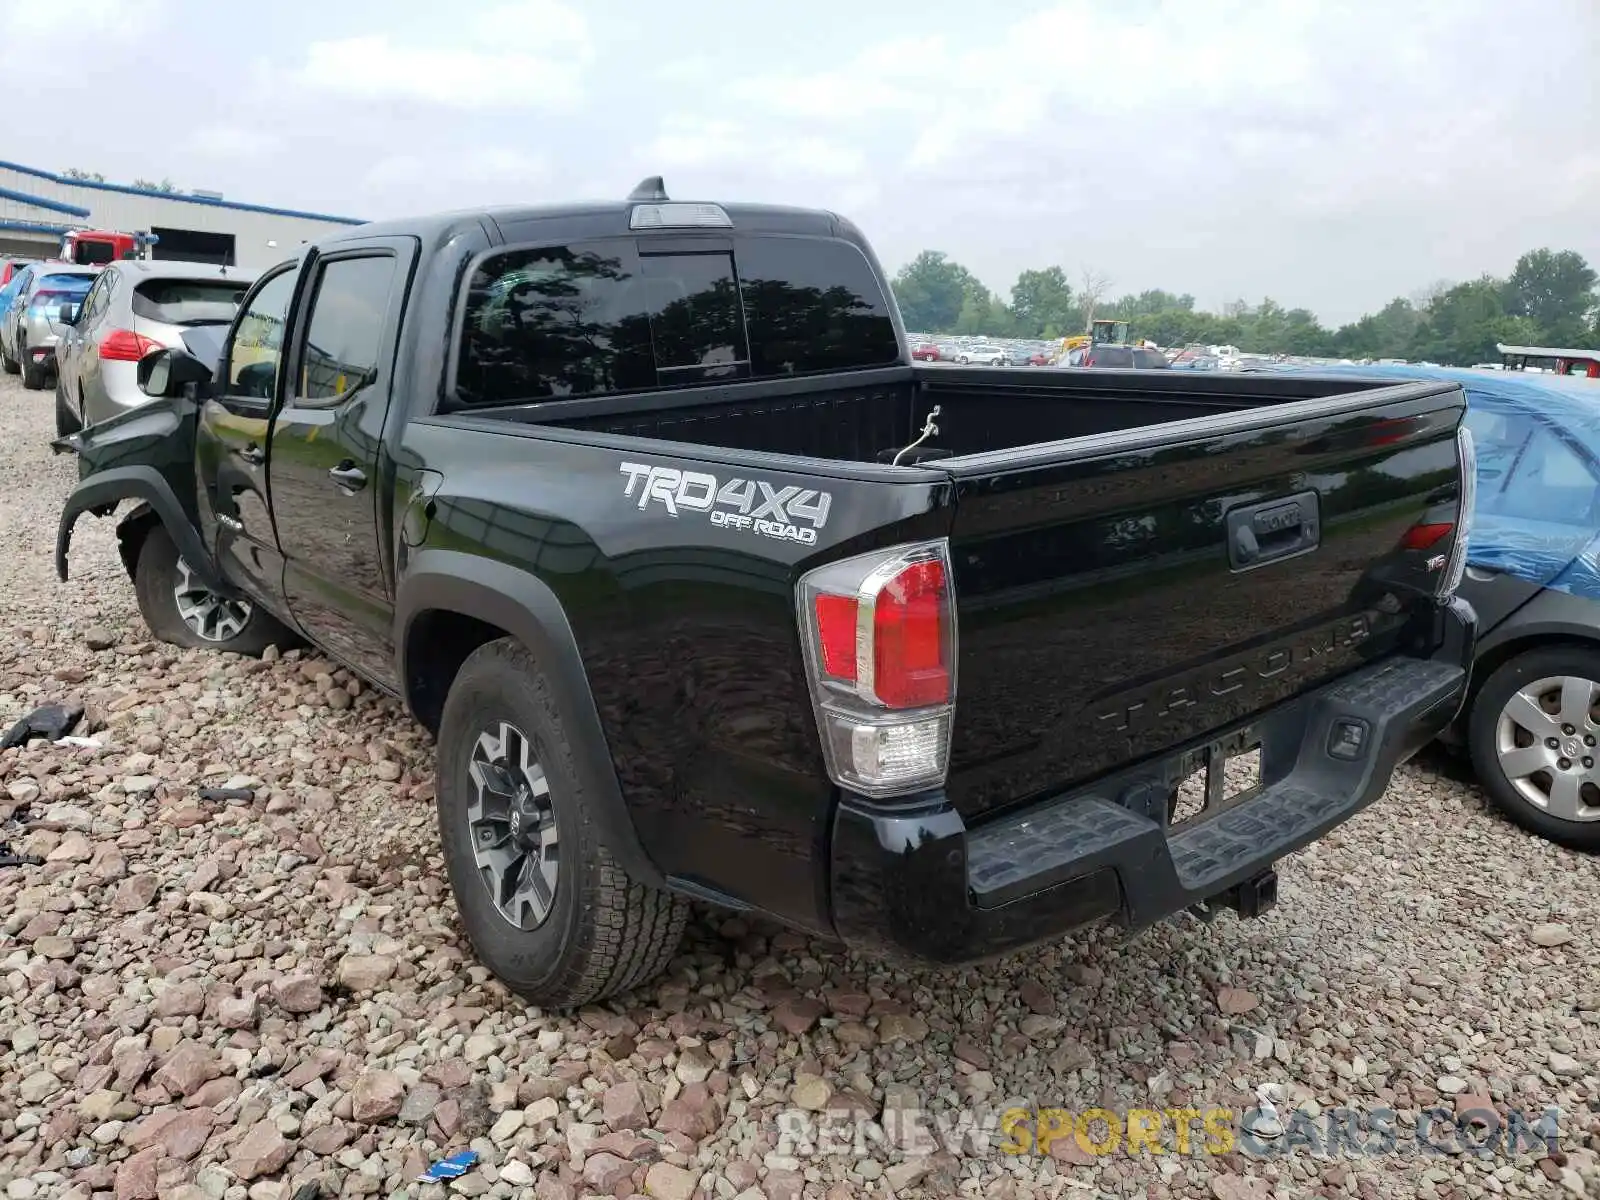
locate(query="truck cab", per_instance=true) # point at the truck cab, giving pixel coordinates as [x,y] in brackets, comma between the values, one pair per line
[96,247]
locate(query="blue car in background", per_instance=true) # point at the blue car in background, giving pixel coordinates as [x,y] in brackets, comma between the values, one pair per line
[1531,721]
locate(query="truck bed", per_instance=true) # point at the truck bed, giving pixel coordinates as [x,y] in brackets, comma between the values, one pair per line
[870,416]
[1106,615]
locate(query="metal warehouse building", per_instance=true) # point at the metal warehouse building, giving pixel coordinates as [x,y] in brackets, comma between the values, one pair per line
[38,207]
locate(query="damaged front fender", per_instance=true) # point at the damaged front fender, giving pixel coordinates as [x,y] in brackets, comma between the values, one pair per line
[145,454]
[101,492]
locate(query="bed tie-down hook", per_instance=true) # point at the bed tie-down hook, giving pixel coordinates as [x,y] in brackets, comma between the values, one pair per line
[928,430]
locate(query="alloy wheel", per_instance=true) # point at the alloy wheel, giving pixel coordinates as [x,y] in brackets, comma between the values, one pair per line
[511,826]
[1547,741]
[208,616]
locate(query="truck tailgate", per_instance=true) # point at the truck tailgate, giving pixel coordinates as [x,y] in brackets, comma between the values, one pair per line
[1129,595]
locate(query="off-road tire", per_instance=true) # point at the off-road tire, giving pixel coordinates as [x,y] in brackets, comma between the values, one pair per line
[66,420]
[1491,698]
[9,365]
[155,577]
[604,933]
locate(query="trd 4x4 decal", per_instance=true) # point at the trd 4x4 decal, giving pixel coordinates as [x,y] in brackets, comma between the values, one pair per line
[790,514]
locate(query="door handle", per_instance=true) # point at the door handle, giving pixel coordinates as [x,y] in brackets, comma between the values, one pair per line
[253,454]
[1262,533]
[348,475]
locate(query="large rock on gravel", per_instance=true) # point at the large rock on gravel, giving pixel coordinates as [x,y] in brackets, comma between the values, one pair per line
[623,1106]
[667,1182]
[605,1171]
[137,1175]
[297,993]
[189,1066]
[366,972]
[135,893]
[38,1087]
[185,999]
[262,1151]
[377,1096]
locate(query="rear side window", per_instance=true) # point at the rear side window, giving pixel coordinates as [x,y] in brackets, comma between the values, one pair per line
[1149,360]
[812,306]
[552,323]
[187,301]
[345,335]
[596,318]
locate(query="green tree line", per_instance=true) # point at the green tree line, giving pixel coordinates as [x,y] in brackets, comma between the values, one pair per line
[1549,299]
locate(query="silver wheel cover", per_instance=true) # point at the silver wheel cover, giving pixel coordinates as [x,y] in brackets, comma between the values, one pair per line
[1547,741]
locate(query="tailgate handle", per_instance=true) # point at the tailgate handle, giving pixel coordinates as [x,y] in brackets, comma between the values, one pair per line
[1272,531]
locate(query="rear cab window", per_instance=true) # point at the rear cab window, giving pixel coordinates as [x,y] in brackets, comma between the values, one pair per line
[616,315]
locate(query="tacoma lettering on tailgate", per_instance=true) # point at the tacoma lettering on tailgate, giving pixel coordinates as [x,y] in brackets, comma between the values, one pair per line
[790,514]
[1140,708]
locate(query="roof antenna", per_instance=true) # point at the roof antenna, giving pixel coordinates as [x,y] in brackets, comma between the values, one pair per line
[650,190]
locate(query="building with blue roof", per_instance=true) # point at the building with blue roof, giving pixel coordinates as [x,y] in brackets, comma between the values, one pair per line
[38,207]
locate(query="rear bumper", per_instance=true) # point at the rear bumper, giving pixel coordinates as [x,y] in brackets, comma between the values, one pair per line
[918,883]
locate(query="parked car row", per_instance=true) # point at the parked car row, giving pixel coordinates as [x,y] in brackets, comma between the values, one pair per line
[31,325]
[86,325]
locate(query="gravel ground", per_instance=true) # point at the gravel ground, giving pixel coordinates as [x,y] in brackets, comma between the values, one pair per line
[274,1000]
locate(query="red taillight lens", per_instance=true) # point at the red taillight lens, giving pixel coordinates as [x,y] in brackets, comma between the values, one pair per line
[124,345]
[1420,537]
[909,643]
[879,634]
[836,632]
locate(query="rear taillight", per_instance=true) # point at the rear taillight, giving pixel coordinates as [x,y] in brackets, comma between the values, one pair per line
[1420,537]
[124,345]
[880,642]
[1467,453]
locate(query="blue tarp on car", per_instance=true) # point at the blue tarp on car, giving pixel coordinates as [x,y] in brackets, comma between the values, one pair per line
[1538,443]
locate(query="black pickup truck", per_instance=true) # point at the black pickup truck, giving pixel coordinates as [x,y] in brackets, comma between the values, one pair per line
[708,592]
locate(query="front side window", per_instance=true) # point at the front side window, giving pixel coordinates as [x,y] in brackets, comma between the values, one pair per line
[95,302]
[258,341]
[345,331]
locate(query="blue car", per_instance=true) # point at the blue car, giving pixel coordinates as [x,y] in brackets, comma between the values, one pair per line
[1531,722]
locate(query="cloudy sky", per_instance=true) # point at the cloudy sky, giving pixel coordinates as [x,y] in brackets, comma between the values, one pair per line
[1331,154]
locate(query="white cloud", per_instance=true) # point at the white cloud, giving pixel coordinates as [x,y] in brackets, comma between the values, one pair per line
[90,20]
[1326,154]
[232,142]
[477,73]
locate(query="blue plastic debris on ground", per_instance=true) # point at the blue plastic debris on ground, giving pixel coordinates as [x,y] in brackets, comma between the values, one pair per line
[454,1167]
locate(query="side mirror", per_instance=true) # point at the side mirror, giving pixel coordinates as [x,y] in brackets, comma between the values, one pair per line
[67,314]
[167,372]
